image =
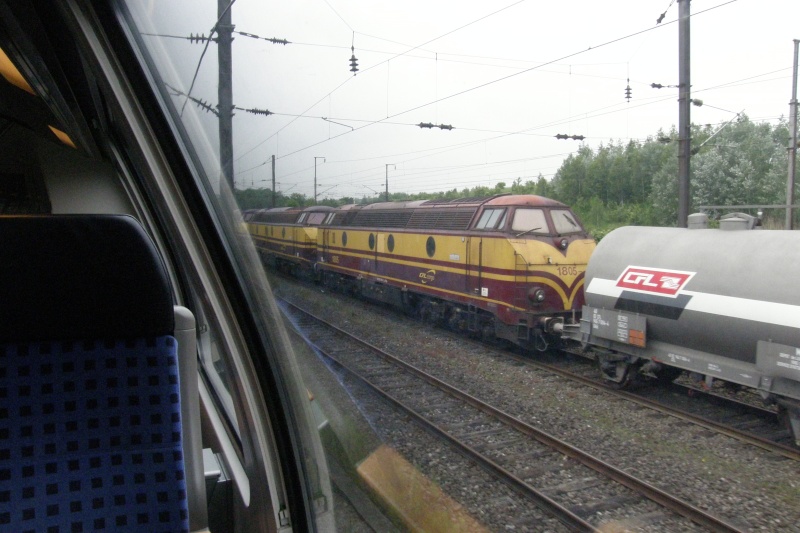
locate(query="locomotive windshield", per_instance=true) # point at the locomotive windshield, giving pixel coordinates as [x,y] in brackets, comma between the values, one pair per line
[564,221]
[527,221]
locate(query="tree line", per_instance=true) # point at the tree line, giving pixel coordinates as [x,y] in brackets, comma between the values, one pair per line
[635,182]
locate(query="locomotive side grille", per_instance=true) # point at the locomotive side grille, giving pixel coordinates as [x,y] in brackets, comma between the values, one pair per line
[471,200]
[381,219]
[451,219]
[276,218]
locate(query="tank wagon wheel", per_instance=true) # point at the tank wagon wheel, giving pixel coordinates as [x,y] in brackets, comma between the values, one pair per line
[617,371]
[668,374]
[789,418]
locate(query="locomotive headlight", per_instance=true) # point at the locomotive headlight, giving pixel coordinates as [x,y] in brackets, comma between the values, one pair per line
[536,295]
[563,244]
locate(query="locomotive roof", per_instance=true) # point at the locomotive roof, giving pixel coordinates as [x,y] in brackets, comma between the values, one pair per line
[524,200]
[498,199]
[454,215]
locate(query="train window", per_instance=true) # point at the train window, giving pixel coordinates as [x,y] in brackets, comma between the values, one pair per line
[315,219]
[489,218]
[564,221]
[502,223]
[302,218]
[530,221]
[430,246]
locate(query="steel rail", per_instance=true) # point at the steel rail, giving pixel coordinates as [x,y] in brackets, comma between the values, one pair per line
[547,504]
[655,494]
[743,436]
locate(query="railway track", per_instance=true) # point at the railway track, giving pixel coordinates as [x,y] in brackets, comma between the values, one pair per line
[578,489]
[723,414]
[744,422]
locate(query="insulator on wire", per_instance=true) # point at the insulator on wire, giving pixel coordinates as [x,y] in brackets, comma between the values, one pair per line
[256,111]
[628,91]
[353,61]
[199,38]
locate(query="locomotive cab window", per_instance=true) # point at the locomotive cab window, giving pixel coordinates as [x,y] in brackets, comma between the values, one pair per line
[564,221]
[490,217]
[316,219]
[530,221]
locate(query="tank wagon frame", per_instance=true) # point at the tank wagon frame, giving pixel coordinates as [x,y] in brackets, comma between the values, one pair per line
[508,266]
[722,305]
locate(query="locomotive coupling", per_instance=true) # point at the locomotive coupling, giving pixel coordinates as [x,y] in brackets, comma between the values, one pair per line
[553,324]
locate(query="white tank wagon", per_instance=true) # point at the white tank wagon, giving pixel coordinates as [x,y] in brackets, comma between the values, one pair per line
[724,304]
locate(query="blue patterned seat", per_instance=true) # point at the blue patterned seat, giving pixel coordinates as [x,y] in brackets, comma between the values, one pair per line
[90,424]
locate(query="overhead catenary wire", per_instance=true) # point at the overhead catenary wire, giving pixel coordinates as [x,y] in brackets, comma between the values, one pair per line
[463,129]
[590,114]
[397,55]
[202,55]
[498,80]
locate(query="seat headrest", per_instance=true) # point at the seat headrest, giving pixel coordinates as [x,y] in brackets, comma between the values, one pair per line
[76,277]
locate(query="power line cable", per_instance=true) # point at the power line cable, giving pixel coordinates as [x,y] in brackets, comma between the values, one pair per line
[202,55]
[369,68]
[338,15]
[607,43]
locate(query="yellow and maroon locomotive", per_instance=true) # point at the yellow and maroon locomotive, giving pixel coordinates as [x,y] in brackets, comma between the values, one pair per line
[508,266]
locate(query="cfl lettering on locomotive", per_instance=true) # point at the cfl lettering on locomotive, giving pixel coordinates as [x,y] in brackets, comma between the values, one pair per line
[507,266]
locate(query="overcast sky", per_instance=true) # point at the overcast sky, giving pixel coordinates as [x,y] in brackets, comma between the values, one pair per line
[507,76]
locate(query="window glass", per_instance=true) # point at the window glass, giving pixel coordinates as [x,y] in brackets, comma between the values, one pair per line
[564,221]
[489,218]
[502,222]
[530,221]
[228,365]
[315,219]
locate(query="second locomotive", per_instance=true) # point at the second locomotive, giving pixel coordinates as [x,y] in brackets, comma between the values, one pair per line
[508,267]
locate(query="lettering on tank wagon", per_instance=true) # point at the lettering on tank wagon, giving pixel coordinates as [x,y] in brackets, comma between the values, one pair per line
[675,357]
[619,327]
[654,280]
[597,319]
[789,361]
[622,328]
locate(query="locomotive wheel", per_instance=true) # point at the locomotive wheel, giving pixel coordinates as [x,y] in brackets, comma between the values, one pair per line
[427,313]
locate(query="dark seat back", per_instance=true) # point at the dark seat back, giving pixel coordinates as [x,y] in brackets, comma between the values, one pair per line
[90,427]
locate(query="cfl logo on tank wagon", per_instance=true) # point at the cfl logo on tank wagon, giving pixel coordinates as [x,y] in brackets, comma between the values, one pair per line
[654,280]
